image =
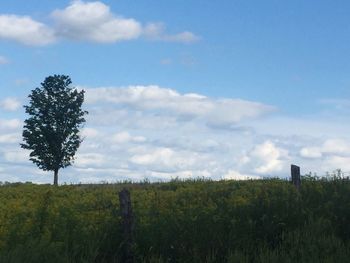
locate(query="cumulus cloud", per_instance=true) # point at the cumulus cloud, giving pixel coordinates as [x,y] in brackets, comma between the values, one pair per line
[84,21]
[90,160]
[25,30]
[331,154]
[337,162]
[9,138]
[10,133]
[16,156]
[125,137]
[162,134]
[10,104]
[311,152]
[329,147]
[164,156]
[151,97]
[266,158]
[90,133]
[94,21]
[215,112]
[336,146]
[139,132]
[10,124]
[161,158]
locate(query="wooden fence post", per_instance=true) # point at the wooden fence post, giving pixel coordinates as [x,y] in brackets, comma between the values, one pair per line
[295,172]
[127,226]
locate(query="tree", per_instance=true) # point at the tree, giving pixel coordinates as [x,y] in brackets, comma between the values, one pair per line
[52,130]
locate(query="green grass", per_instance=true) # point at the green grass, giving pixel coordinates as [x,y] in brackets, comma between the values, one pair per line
[179,221]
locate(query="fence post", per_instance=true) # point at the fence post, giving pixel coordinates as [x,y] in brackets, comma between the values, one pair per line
[127,226]
[295,172]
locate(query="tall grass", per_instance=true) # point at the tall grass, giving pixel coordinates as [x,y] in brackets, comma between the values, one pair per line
[179,221]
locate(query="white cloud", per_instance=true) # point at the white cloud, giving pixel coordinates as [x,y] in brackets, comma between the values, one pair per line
[266,158]
[229,111]
[84,21]
[311,152]
[215,112]
[11,124]
[329,147]
[125,137]
[16,156]
[166,160]
[151,132]
[164,156]
[3,60]
[90,160]
[151,97]
[329,155]
[25,30]
[94,21]
[337,162]
[156,31]
[336,146]
[10,104]
[90,133]
[9,138]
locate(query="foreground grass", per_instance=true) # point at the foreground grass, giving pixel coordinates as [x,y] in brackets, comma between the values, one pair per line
[179,221]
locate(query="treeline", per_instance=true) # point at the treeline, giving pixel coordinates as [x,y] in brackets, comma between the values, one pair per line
[179,221]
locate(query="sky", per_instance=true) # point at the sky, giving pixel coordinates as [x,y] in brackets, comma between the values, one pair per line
[229,89]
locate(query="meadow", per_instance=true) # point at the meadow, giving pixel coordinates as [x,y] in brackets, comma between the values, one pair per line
[179,221]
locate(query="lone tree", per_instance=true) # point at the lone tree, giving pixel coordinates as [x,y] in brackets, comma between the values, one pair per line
[52,130]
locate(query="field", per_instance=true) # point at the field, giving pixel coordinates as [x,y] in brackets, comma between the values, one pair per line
[179,221]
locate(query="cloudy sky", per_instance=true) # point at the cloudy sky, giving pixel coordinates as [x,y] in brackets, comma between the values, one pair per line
[221,89]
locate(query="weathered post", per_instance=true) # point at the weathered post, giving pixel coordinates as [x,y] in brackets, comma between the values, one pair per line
[127,226]
[295,171]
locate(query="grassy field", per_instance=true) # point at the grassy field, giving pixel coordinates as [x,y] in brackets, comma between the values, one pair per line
[179,221]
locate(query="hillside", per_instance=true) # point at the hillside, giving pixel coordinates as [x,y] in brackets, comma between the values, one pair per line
[179,221]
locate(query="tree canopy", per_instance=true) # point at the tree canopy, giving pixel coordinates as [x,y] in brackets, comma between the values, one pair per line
[51,131]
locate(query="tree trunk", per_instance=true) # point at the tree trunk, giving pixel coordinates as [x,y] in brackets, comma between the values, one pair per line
[55,179]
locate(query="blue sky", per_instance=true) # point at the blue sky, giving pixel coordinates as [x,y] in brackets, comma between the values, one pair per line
[277,69]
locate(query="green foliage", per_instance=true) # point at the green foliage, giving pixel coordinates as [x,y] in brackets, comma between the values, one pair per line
[51,132]
[179,221]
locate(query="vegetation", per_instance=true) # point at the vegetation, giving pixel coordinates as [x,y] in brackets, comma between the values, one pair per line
[52,130]
[179,221]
